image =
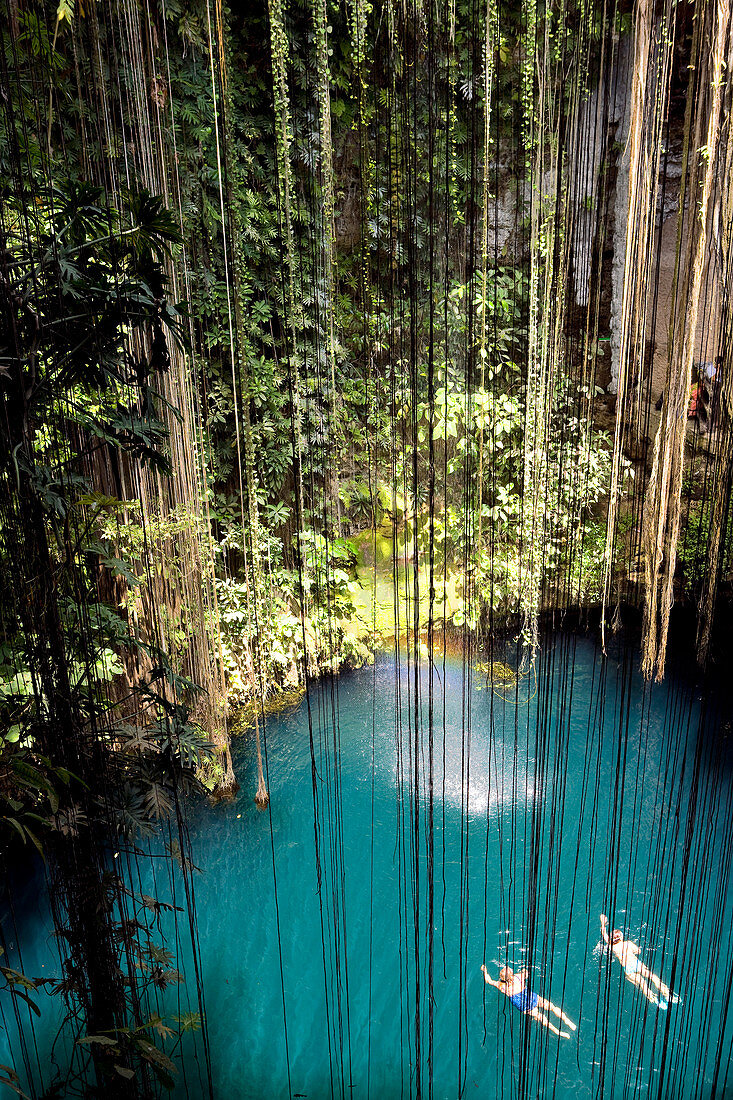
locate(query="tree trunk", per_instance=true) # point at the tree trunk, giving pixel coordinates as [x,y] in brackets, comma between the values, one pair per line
[83,891]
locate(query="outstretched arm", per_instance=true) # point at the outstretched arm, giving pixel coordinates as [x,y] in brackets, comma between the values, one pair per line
[604,928]
[487,978]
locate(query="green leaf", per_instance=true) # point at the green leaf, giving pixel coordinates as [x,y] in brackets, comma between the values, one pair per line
[65,11]
[157,801]
[24,997]
[189,1021]
[102,1040]
[17,826]
[165,1078]
[160,1026]
[119,568]
[154,1055]
[36,843]
[9,1077]
[30,777]
[21,683]
[14,977]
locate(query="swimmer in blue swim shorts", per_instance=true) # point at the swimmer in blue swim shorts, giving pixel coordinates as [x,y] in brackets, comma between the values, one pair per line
[514,986]
[639,975]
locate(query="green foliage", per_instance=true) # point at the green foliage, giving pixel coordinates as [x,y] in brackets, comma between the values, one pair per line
[309,451]
[78,283]
[299,617]
[20,988]
[84,333]
[128,1050]
[152,766]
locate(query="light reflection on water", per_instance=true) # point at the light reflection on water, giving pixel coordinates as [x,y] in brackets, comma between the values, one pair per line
[526,821]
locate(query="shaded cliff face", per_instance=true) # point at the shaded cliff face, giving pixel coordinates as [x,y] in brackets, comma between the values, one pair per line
[660,290]
[597,181]
[620,119]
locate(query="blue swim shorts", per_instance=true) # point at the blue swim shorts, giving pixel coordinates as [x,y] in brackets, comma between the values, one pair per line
[525,1001]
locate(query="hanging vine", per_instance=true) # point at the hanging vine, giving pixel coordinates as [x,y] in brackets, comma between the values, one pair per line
[283,136]
[652,55]
[489,46]
[328,252]
[663,506]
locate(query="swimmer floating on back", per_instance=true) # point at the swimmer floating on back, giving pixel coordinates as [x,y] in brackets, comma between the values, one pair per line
[515,988]
[639,975]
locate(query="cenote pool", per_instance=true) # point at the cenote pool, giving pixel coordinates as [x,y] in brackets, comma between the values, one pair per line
[574,791]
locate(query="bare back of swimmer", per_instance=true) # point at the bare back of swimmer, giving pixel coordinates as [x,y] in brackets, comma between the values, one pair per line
[627,953]
[514,986]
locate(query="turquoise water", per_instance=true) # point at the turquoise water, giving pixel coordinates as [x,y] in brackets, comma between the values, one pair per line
[579,792]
